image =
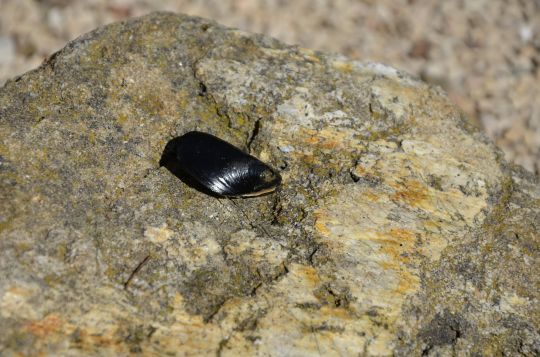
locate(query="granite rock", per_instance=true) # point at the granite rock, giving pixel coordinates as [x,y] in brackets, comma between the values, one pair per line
[398,229]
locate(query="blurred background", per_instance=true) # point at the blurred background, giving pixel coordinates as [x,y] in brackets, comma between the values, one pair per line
[484,53]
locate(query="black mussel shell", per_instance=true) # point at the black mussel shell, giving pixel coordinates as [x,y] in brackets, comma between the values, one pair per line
[216,167]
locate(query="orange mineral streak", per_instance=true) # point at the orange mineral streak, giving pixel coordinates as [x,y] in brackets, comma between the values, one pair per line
[372,196]
[330,144]
[312,140]
[320,225]
[305,158]
[48,325]
[396,244]
[407,283]
[360,170]
[16,290]
[307,274]
[414,193]
[329,138]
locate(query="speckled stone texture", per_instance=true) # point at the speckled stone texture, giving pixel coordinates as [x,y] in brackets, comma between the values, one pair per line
[399,229]
[484,53]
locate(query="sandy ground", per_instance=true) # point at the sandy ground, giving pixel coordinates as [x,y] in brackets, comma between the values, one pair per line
[485,53]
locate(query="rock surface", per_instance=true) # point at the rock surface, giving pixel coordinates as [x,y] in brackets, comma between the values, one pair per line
[484,53]
[399,229]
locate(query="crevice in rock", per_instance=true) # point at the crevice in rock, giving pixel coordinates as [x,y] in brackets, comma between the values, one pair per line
[214,311]
[312,255]
[222,111]
[276,209]
[202,87]
[444,329]
[135,271]
[254,290]
[254,133]
[284,271]
[337,298]
[354,177]
[259,283]
[203,91]
[250,323]
[334,295]
[221,346]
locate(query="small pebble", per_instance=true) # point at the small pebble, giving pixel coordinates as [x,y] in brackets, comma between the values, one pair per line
[286,148]
[7,50]
[526,33]
[56,21]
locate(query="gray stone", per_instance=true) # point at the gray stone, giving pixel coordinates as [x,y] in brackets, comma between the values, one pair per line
[7,50]
[398,228]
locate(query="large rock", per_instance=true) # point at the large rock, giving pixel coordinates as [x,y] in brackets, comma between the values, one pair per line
[398,228]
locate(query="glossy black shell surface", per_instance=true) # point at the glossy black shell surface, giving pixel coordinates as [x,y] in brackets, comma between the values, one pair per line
[218,166]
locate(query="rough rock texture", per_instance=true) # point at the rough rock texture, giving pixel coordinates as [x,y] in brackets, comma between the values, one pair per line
[399,229]
[484,53]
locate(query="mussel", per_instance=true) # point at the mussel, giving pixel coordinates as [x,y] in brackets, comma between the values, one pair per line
[216,167]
